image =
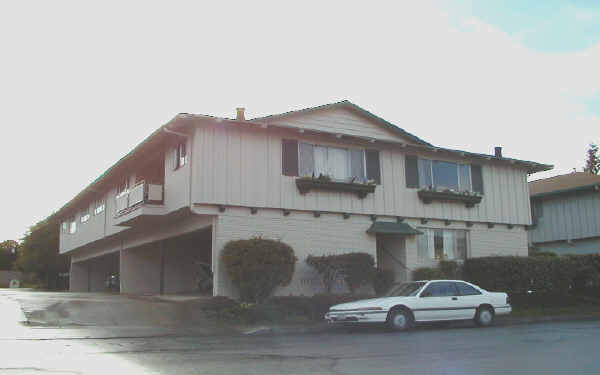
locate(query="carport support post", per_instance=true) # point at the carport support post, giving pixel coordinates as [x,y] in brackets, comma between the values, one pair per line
[89,276]
[162,267]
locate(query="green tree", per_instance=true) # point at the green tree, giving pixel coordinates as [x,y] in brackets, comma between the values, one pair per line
[592,164]
[8,254]
[39,253]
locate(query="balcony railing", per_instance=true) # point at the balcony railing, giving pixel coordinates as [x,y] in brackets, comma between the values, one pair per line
[142,192]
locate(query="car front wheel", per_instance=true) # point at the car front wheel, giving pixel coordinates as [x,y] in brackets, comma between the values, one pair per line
[399,320]
[484,316]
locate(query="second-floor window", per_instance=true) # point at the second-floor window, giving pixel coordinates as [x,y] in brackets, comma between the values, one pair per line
[85,215]
[65,226]
[335,162]
[99,206]
[442,244]
[442,175]
[180,155]
[72,225]
[305,159]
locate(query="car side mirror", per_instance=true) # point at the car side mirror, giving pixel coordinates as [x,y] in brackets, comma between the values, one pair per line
[426,294]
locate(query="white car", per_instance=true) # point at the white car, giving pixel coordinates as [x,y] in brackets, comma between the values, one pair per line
[424,301]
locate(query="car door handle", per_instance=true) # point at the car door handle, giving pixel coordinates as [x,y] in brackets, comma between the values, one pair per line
[454,298]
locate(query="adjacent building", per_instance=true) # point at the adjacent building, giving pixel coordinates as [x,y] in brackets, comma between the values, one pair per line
[566,214]
[329,179]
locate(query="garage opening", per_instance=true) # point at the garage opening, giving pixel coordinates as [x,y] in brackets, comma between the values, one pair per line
[99,274]
[187,264]
[176,265]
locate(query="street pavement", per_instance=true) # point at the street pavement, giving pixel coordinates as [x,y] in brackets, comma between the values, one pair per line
[548,348]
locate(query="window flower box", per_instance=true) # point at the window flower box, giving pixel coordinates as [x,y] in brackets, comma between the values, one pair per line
[306,184]
[470,199]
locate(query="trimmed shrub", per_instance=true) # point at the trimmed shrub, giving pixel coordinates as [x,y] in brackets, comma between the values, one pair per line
[450,269]
[328,267]
[383,280]
[427,273]
[357,269]
[257,266]
[446,269]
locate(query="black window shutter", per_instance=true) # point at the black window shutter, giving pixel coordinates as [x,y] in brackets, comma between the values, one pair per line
[289,164]
[373,170]
[411,171]
[477,178]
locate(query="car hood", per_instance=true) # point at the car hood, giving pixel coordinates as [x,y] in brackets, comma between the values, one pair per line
[372,302]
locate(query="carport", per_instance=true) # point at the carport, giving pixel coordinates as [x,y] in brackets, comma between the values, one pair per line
[91,275]
[170,266]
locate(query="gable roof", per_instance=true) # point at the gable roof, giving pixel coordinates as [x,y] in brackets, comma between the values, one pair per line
[564,183]
[348,105]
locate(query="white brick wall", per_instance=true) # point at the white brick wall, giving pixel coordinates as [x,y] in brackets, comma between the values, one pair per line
[328,234]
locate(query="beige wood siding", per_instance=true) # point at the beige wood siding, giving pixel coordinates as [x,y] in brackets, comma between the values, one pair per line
[242,167]
[342,121]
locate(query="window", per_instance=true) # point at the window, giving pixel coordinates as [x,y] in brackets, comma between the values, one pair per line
[85,215]
[442,244]
[65,227]
[337,163]
[99,206]
[440,289]
[425,173]
[123,186]
[467,290]
[180,155]
[72,225]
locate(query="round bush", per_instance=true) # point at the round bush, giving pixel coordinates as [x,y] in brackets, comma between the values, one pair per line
[257,266]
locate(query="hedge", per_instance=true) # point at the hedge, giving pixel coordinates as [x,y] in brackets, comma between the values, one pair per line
[541,274]
[356,269]
[544,275]
[257,266]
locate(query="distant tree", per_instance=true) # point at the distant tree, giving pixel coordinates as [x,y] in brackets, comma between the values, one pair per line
[8,254]
[39,253]
[592,164]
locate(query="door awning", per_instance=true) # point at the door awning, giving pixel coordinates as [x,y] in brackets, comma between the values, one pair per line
[385,227]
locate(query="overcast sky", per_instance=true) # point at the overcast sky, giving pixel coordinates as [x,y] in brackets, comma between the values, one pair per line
[82,84]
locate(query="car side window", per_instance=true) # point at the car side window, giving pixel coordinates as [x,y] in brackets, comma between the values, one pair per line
[467,290]
[440,289]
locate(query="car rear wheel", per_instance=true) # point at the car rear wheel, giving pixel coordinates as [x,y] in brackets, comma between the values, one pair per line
[484,317]
[399,320]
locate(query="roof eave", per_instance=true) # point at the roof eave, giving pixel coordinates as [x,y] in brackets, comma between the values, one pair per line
[592,187]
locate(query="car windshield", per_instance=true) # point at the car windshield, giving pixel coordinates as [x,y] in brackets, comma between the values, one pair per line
[405,289]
